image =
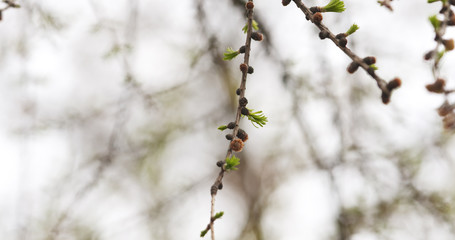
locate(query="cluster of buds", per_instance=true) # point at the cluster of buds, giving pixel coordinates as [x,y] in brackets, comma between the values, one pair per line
[443,45]
[238,135]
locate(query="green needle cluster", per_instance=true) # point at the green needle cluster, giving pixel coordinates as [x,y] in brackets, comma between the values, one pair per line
[334,6]
[230,54]
[232,163]
[257,118]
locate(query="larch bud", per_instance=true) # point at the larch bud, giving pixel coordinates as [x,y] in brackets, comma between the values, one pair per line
[256,36]
[317,17]
[236,145]
[249,5]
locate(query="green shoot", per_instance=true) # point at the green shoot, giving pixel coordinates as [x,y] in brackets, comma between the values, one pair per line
[204,232]
[231,163]
[435,22]
[222,127]
[257,118]
[218,215]
[230,54]
[374,67]
[352,29]
[440,55]
[334,6]
[254,24]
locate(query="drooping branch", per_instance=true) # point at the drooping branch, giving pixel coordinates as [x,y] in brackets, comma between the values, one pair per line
[314,15]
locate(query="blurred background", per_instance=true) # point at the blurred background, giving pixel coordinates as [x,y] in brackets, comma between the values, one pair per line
[109,116]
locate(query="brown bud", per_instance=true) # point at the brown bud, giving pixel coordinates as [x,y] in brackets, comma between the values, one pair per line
[394,83]
[437,86]
[236,145]
[285,2]
[445,109]
[242,135]
[229,136]
[243,67]
[449,121]
[371,72]
[242,49]
[231,125]
[245,111]
[213,190]
[243,101]
[323,34]
[220,163]
[448,44]
[317,18]
[385,96]
[315,9]
[256,36]
[220,186]
[250,70]
[369,60]
[429,55]
[353,67]
[249,5]
[237,91]
[343,42]
[340,35]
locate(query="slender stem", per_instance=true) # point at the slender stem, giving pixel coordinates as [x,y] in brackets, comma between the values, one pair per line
[218,182]
[382,84]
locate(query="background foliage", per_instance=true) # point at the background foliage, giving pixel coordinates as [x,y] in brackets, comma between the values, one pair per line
[110,116]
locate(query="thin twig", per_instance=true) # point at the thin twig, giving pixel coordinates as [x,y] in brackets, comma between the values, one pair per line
[382,84]
[386,3]
[218,182]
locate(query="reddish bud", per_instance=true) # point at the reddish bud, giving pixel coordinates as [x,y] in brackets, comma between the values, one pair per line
[395,83]
[317,18]
[243,67]
[448,44]
[242,135]
[236,145]
[369,60]
[249,5]
[429,55]
[256,36]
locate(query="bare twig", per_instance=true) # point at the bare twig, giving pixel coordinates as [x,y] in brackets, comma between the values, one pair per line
[9,4]
[386,3]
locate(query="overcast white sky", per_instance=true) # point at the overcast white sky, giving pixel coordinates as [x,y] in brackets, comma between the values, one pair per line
[46,74]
